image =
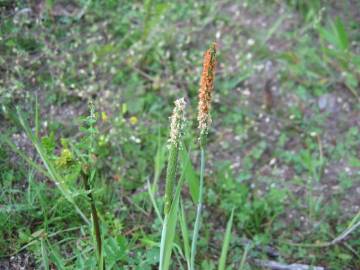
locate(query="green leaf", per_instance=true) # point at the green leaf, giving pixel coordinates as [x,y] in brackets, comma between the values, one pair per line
[342,35]
[159,162]
[274,28]
[44,254]
[55,257]
[355,162]
[189,174]
[328,36]
[185,235]
[168,232]
[226,243]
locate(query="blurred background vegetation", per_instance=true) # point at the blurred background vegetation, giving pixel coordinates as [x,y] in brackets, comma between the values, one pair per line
[283,148]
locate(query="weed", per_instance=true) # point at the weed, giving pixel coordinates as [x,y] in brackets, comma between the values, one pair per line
[282,149]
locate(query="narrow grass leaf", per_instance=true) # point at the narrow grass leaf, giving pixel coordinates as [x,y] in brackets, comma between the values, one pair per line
[153,201]
[185,234]
[23,155]
[342,35]
[189,174]
[168,233]
[226,243]
[159,163]
[37,118]
[44,254]
[274,28]
[243,259]
[55,257]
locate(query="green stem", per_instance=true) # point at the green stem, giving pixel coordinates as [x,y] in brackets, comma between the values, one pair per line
[243,259]
[96,222]
[168,200]
[163,242]
[198,211]
[170,176]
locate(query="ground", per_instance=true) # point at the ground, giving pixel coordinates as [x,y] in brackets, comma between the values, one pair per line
[283,148]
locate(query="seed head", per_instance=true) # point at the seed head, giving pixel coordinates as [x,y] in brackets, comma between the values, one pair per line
[177,121]
[206,88]
[176,124]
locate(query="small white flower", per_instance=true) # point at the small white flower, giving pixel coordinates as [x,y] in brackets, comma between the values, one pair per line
[135,139]
[250,42]
[249,56]
[246,92]
[272,161]
[259,67]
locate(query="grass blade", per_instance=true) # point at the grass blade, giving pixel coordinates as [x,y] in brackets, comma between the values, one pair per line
[342,36]
[243,259]
[185,234]
[153,201]
[159,163]
[37,118]
[168,232]
[44,254]
[23,155]
[226,243]
[190,174]
[55,257]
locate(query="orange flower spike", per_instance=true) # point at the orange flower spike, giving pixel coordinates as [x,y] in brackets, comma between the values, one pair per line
[205,91]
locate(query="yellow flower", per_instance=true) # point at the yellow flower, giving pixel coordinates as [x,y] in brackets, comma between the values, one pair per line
[104,116]
[64,158]
[133,120]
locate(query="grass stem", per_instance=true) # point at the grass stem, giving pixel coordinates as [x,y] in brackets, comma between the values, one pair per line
[163,242]
[95,221]
[198,210]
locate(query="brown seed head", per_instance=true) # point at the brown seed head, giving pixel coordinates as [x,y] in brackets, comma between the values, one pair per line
[206,88]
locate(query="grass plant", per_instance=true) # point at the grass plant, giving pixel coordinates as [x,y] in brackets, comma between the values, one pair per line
[204,119]
[273,179]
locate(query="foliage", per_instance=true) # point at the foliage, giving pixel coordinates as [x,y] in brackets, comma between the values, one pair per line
[282,148]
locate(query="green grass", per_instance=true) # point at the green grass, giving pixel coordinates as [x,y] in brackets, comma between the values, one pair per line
[286,162]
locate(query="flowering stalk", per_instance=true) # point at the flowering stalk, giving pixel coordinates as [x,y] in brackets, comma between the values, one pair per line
[88,175]
[205,93]
[169,224]
[204,119]
[95,218]
[176,124]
